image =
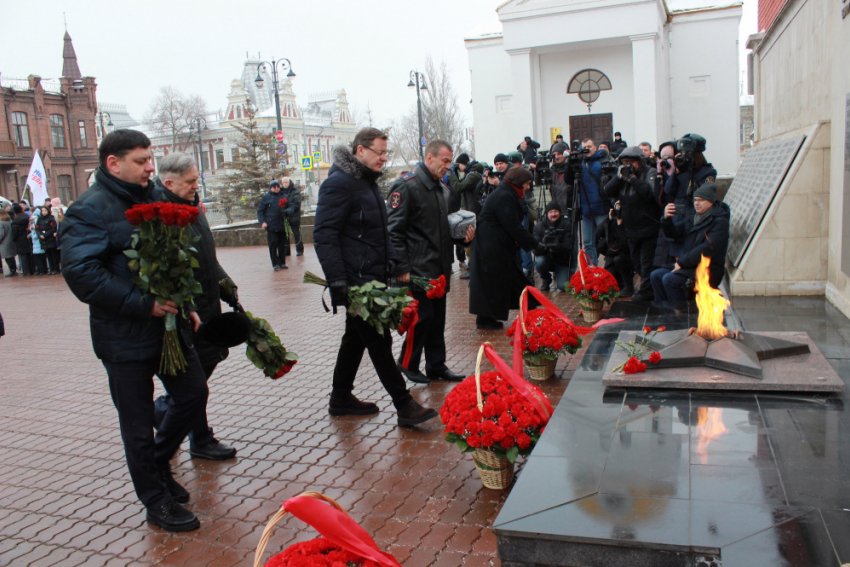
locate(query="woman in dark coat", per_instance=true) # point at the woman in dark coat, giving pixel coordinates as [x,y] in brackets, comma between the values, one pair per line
[47,228]
[497,280]
[21,237]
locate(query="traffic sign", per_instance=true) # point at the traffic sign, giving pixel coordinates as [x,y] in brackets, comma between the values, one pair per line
[317,157]
[306,162]
[279,136]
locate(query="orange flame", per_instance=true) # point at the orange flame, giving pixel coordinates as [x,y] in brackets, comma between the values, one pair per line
[711,304]
[709,427]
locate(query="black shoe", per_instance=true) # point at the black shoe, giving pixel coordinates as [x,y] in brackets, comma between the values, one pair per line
[351,406]
[644,297]
[11,274]
[214,451]
[482,322]
[173,517]
[299,253]
[276,268]
[465,276]
[413,375]
[283,267]
[413,414]
[176,491]
[627,292]
[446,375]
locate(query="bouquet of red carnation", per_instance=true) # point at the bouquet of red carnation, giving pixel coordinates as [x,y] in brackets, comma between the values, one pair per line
[282,204]
[506,418]
[162,257]
[637,349]
[592,282]
[318,552]
[434,289]
[547,337]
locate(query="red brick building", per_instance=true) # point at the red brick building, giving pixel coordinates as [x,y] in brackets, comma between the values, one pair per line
[56,118]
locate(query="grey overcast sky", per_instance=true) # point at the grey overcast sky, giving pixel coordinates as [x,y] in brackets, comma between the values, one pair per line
[366,47]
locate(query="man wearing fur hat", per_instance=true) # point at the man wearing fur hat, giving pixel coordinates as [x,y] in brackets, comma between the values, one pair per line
[705,233]
[354,247]
[634,187]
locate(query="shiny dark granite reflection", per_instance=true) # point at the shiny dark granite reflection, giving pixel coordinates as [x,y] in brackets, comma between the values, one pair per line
[757,479]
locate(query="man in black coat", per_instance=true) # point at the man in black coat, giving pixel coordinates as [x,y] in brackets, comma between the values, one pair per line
[270,216]
[528,148]
[618,145]
[555,232]
[419,229]
[127,325]
[292,212]
[354,248]
[179,177]
[497,277]
[706,233]
[21,238]
[634,186]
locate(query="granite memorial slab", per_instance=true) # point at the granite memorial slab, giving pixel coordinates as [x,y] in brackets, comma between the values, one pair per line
[809,372]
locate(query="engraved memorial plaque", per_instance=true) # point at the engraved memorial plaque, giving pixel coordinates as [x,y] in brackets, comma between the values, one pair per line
[754,188]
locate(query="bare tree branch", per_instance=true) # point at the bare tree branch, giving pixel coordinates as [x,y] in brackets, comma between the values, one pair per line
[171,113]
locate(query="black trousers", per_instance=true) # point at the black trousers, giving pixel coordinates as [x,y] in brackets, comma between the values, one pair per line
[26,264]
[131,386]
[201,433]
[620,266]
[296,236]
[360,336]
[278,245]
[13,265]
[52,259]
[643,256]
[39,263]
[428,335]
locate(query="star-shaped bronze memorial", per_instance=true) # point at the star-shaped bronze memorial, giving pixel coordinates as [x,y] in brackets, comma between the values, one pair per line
[740,352]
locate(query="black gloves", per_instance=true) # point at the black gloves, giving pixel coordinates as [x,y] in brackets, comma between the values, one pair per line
[541,250]
[392,268]
[339,294]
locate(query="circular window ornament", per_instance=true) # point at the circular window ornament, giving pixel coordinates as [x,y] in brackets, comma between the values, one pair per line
[587,84]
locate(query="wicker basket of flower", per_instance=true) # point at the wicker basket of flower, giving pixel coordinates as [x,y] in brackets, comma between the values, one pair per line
[496,416]
[592,286]
[343,541]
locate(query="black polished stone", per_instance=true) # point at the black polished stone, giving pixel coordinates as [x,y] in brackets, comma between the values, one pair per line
[771,347]
[733,356]
[736,484]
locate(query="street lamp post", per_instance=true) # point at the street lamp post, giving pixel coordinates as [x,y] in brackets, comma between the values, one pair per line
[108,123]
[198,120]
[417,80]
[285,65]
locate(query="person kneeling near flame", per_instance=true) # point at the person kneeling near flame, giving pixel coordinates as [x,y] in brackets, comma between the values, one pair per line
[704,234]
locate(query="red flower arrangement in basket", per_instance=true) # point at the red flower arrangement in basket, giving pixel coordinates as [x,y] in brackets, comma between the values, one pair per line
[592,282]
[512,415]
[548,337]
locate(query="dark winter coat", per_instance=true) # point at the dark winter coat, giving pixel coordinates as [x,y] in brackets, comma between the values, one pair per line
[708,238]
[350,235]
[496,278]
[7,241]
[20,234]
[618,146]
[467,185]
[208,273]
[293,207]
[561,189]
[563,251]
[680,188]
[640,212]
[270,212]
[418,212]
[95,233]
[593,202]
[611,239]
[47,231]
[529,155]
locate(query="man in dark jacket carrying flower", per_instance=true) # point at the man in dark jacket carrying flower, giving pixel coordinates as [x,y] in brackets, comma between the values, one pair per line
[292,213]
[127,327]
[354,248]
[270,217]
[179,177]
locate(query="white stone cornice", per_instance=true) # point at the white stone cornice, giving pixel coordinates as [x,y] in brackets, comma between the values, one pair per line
[513,52]
[643,36]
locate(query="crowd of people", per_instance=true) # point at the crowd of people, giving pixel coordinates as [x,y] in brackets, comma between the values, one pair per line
[29,238]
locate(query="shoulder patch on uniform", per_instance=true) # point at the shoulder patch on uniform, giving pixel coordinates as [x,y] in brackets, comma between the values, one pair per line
[709,179]
[395,199]
[408,175]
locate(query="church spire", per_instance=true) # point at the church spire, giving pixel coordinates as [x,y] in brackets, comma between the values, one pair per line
[70,69]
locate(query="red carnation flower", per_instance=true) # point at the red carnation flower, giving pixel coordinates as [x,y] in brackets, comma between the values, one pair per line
[661,329]
[647,330]
[655,357]
[634,366]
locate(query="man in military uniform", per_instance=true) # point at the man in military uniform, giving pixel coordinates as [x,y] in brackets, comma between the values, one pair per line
[417,213]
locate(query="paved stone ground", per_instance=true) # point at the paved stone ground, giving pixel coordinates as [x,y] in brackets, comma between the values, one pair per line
[66,497]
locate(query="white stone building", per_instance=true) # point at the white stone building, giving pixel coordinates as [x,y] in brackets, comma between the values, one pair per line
[650,69]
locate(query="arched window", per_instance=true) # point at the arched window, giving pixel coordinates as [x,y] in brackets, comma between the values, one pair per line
[587,84]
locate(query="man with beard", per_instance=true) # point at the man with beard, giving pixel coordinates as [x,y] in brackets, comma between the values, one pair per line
[419,228]
[354,248]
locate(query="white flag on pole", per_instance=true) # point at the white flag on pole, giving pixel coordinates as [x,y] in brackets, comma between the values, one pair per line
[37,180]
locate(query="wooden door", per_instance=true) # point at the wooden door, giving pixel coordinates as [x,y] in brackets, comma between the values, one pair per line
[597,126]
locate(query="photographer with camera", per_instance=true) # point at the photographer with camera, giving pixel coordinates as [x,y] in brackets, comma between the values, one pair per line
[528,148]
[594,205]
[634,187]
[561,190]
[705,233]
[555,232]
[692,171]
[611,241]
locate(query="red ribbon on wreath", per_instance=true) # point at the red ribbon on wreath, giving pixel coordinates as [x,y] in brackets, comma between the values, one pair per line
[530,392]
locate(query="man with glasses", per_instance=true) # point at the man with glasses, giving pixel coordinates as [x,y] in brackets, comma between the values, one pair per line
[419,228]
[354,248]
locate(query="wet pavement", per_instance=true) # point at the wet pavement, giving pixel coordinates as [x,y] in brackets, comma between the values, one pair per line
[65,495]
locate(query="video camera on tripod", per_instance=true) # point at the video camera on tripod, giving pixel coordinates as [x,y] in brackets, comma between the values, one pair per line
[543,169]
